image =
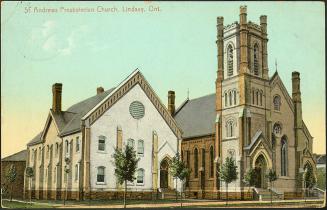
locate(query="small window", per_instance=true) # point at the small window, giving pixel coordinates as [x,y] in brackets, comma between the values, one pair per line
[102,143]
[130,143]
[77,144]
[226,99]
[40,153]
[234,95]
[257,97]
[140,176]
[230,98]
[100,174]
[277,103]
[76,172]
[140,147]
[230,128]
[260,96]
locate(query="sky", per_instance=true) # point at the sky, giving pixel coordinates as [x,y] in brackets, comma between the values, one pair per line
[172,43]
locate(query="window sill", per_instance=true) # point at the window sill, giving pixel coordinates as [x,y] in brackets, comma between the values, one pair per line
[139,184]
[140,155]
[100,183]
[101,152]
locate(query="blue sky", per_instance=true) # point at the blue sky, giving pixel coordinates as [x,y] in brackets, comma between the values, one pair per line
[174,48]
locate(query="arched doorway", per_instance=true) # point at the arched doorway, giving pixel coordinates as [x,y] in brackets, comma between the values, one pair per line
[164,167]
[260,169]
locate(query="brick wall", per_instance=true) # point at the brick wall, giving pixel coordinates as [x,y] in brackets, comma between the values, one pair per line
[18,185]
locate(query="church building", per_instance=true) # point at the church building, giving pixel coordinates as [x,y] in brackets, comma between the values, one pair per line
[251,117]
[74,150]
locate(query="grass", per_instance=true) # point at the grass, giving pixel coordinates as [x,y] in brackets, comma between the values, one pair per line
[22,205]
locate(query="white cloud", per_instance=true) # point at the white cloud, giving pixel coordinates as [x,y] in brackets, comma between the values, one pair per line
[54,40]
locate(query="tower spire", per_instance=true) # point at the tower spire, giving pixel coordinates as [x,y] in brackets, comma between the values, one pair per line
[276,64]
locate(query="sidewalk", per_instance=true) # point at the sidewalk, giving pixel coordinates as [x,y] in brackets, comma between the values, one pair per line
[258,204]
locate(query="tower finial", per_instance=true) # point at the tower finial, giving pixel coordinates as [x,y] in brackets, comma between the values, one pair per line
[188,93]
[276,64]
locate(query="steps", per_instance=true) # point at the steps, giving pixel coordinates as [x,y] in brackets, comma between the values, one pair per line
[168,193]
[265,195]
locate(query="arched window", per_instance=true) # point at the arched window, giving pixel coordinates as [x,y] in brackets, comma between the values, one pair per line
[284,156]
[77,144]
[39,153]
[230,128]
[230,60]
[253,94]
[55,175]
[211,161]
[140,147]
[67,147]
[230,98]
[100,174]
[255,59]
[203,157]
[130,143]
[257,97]
[277,102]
[76,172]
[277,129]
[56,149]
[260,98]
[140,176]
[196,158]
[226,99]
[234,95]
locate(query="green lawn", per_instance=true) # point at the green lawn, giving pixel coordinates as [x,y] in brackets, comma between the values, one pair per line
[20,205]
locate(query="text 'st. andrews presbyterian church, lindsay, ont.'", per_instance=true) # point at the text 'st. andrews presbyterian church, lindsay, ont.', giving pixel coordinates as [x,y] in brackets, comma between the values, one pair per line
[250,117]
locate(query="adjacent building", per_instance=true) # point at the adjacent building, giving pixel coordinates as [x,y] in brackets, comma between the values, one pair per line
[19,161]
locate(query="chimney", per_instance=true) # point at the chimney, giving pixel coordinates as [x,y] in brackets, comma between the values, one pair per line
[171,102]
[56,97]
[296,92]
[296,97]
[100,90]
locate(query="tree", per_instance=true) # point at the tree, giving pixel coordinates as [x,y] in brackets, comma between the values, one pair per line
[272,176]
[125,163]
[29,173]
[321,178]
[309,179]
[228,173]
[250,178]
[11,175]
[179,171]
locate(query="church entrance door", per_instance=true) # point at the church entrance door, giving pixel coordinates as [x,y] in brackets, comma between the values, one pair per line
[260,169]
[164,174]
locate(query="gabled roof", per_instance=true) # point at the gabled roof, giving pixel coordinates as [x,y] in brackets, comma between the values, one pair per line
[19,156]
[135,78]
[70,121]
[276,80]
[197,117]
[80,109]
